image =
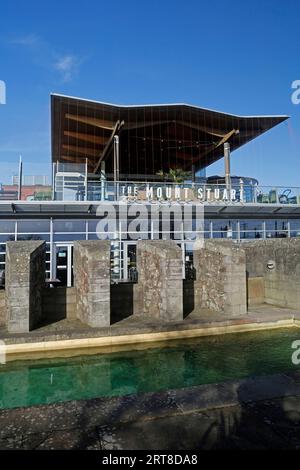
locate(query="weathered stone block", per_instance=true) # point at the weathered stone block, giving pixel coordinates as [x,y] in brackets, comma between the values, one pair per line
[24,283]
[159,293]
[220,283]
[92,281]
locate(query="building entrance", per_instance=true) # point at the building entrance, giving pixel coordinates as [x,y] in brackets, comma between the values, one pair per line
[64,264]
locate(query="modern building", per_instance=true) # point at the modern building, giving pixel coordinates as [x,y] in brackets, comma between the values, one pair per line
[106,158]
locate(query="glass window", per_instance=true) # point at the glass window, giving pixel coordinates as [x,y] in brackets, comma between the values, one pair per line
[7,238]
[224,229]
[92,225]
[33,236]
[276,225]
[251,229]
[93,236]
[69,226]
[68,237]
[295,228]
[33,226]
[276,228]
[7,226]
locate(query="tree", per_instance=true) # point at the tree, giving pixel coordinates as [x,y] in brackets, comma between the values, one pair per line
[178,175]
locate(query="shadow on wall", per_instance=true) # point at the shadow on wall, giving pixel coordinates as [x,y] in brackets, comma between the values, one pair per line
[188,296]
[121,301]
[58,303]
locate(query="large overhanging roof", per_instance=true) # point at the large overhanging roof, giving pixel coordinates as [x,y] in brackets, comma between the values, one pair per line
[152,137]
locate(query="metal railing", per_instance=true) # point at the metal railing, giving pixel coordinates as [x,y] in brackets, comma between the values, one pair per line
[75,188]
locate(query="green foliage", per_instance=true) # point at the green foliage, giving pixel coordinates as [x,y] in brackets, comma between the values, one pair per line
[177,175]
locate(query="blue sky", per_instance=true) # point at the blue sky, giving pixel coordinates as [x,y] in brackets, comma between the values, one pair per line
[233,56]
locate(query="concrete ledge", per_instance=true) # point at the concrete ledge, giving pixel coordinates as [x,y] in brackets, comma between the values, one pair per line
[79,346]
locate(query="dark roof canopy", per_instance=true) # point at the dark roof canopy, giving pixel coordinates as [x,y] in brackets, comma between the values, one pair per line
[152,137]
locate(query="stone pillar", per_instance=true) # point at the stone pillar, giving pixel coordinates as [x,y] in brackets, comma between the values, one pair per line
[159,292]
[92,281]
[220,283]
[24,283]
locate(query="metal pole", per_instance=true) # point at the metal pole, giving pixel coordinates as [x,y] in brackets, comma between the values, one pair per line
[227,169]
[115,171]
[53,181]
[52,253]
[116,166]
[86,180]
[241,190]
[20,178]
[193,174]
[102,179]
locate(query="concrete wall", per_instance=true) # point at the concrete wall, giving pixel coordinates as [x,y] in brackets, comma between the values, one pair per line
[282,283]
[24,283]
[255,290]
[92,281]
[220,283]
[159,292]
[122,297]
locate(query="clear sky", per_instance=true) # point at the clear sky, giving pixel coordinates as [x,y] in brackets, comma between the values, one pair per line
[234,56]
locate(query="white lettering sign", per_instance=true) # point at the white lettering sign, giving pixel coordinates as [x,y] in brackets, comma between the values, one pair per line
[176,193]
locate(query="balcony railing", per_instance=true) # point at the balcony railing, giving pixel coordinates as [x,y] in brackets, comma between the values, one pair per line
[73,188]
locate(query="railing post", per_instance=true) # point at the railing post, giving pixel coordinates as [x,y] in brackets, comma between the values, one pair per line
[264,229]
[241,190]
[227,168]
[86,180]
[116,166]
[53,181]
[102,180]
[20,179]
[255,193]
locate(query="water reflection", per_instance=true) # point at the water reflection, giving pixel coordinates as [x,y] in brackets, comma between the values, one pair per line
[179,364]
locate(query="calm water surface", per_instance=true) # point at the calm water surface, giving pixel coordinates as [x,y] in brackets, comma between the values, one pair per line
[178,365]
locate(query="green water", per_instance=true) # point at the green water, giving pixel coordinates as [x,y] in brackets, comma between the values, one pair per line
[178,365]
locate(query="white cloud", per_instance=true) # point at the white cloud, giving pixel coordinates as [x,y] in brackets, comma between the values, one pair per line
[44,55]
[28,41]
[67,65]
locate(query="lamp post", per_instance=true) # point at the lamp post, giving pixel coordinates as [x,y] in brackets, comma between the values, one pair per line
[20,178]
[227,168]
[116,166]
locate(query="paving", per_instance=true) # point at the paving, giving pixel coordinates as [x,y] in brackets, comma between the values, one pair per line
[254,413]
